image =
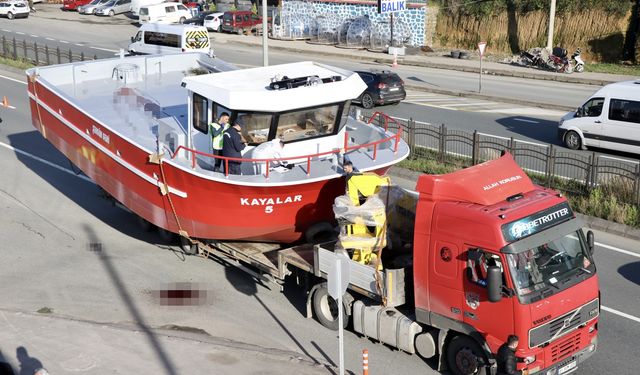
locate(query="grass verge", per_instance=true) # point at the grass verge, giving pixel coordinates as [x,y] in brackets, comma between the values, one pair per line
[629,70]
[19,64]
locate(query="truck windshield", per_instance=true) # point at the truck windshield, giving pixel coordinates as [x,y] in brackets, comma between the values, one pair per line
[550,267]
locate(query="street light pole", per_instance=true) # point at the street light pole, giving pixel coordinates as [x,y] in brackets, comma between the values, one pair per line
[552,19]
[265,47]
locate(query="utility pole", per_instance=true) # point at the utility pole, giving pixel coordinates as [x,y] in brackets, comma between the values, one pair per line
[265,37]
[552,19]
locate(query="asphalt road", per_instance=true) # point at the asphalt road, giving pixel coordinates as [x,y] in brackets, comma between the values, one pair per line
[67,249]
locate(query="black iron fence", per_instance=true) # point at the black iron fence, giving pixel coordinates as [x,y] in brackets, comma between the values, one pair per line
[38,54]
[547,165]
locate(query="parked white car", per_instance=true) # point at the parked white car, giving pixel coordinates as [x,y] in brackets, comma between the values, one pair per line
[213,21]
[14,9]
[164,13]
[91,7]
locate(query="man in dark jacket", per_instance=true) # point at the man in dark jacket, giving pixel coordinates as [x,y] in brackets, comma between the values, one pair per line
[506,357]
[232,145]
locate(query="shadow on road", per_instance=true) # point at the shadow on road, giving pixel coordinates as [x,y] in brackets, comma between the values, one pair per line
[631,272]
[537,129]
[96,246]
[85,194]
[247,284]
[5,366]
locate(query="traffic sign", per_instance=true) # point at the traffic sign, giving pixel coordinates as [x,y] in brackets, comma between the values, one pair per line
[338,279]
[481,47]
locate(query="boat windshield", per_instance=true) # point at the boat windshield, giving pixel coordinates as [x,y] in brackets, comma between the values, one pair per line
[550,267]
[307,123]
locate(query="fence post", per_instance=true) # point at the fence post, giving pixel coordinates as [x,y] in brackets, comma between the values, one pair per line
[475,148]
[58,54]
[70,56]
[95,57]
[24,48]
[636,185]
[15,49]
[442,142]
[81,56]
[551,166]
[593,178]
[3,47]
[46,52]
[35,50]
[512,147]
[411,133]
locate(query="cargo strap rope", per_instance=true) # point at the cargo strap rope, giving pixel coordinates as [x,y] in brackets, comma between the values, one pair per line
[383,234]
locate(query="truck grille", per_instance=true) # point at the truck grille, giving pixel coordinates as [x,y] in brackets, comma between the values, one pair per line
[565,347]
[563,325]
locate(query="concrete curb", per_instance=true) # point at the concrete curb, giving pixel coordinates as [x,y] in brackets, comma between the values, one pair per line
[591,222]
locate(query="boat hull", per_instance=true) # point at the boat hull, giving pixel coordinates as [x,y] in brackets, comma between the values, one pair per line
[202,207]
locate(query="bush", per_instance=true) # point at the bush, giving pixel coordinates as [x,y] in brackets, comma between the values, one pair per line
[483,9]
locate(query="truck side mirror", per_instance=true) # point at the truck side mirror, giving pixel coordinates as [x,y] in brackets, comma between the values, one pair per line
[591,242]
[494,283]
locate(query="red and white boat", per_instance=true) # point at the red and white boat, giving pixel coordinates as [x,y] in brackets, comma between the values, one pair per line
[137,126]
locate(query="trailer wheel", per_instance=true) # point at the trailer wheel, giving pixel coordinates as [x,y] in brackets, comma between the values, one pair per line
[319,233]
[326,310]
[465,356]
[188,247]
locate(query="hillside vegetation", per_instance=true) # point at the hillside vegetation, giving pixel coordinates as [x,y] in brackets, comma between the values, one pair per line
[605,30]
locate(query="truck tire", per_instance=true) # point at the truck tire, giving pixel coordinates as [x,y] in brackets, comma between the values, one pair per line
[319,233]
[182,19]
[188,247]
[465,356]
[325,309]
[572,140]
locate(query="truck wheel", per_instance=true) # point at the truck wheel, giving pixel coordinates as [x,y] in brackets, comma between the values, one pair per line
[465,356]
[188,247]
[319,233]
[182,19]
[326,309]
[572,140]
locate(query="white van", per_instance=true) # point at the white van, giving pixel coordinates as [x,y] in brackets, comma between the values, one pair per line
[164,13]
[137,4]
[155,38]
[609,119]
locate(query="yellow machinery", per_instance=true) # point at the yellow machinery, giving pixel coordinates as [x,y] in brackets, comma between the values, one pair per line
[364,229]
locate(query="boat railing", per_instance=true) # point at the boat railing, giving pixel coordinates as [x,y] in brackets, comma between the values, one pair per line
[385,119]
[267,162]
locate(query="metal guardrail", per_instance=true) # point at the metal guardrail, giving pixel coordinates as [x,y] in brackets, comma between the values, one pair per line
[546,164]
[38,54]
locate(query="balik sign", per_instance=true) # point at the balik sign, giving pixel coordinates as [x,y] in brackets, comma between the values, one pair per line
[388,6]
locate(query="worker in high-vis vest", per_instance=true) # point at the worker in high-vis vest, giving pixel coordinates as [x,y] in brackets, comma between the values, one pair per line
[217,130]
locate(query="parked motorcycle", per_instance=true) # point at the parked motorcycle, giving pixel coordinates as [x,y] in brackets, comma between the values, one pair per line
[532,58]
[559,62]
[578,62]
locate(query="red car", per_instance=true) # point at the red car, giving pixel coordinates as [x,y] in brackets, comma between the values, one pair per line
[73,4]
[239,21]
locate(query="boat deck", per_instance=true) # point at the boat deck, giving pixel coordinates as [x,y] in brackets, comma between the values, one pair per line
[141,99]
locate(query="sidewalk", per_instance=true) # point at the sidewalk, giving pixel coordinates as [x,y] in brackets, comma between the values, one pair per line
[429,60]
[65,345]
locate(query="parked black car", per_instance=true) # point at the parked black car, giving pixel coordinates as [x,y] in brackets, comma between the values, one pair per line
[198,19]
[383,87]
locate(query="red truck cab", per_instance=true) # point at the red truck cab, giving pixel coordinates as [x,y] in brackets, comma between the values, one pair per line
[74,4]
[496,255]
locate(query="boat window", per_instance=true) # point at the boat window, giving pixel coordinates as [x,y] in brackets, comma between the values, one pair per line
[256,126]
[307,123]
[199,114]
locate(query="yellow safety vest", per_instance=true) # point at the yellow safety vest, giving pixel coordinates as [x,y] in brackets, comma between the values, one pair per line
[217,131]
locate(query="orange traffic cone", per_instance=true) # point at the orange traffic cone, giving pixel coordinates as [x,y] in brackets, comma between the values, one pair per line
[5,102]
[395,59]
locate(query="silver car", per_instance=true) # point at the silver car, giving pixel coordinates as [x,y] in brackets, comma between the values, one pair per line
[114,7]
[91,7]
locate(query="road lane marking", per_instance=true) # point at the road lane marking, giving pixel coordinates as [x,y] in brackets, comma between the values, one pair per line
[620,313]
[618,249]
[64,41]
[5,30]
[104,49]
[19,33]
[49,38]
[79,45]
[18,151]
[12,79]
[470,104]
[35,36]
[524,120]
